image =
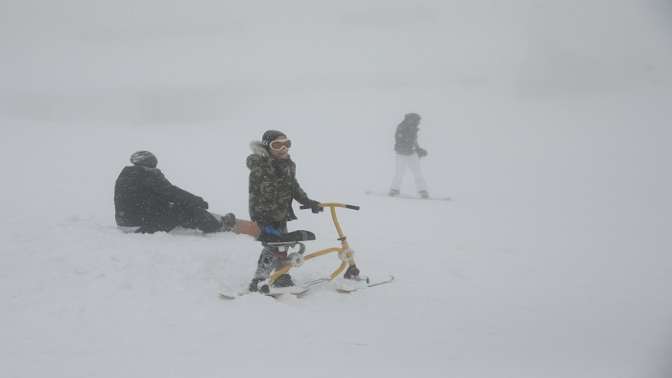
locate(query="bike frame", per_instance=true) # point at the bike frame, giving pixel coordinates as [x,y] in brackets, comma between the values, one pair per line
[345,254]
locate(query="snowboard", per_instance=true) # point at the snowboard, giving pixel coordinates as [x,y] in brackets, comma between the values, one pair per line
[406,196]
[243,226]
[246,227]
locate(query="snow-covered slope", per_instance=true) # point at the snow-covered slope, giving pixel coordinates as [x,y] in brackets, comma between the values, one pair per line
[547,127]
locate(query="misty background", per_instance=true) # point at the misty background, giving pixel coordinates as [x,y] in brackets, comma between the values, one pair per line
[178,61]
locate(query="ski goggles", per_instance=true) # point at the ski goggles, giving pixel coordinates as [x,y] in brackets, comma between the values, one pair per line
[281,144]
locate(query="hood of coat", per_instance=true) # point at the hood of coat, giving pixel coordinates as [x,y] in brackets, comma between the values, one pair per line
[259,149]
[258,156]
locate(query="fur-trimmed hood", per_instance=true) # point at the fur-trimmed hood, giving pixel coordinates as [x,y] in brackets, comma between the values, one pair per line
[259,154]
[258,148]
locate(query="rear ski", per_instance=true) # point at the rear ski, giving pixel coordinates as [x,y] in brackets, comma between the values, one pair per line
[277,292]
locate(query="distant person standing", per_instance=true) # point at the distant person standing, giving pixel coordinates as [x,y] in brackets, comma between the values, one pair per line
[408,155]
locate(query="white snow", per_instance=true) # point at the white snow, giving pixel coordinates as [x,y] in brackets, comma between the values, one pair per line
[548,123]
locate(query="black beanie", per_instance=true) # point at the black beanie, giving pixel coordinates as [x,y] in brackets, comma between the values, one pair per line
[144,158]
[413,117]
[271,135]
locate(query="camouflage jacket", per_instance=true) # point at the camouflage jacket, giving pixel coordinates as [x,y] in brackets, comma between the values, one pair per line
[272,187]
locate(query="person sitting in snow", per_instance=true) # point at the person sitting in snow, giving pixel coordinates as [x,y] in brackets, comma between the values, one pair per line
[146,202]
[408,155]
[272,188]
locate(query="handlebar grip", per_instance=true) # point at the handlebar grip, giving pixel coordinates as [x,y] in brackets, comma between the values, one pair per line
[352,207]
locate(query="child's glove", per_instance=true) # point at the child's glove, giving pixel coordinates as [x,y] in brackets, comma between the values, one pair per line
[315,206]
[421,152]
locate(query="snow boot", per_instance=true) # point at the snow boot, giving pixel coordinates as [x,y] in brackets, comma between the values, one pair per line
[393,192]
[423,194]
[228,221]
[284,280]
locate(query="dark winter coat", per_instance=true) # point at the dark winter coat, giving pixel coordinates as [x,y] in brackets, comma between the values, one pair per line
[272,187]
[142,194]
[406,138]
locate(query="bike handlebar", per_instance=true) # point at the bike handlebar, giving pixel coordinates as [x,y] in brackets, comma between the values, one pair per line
[331,204]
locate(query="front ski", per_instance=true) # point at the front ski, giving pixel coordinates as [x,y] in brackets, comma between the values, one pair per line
[351,287]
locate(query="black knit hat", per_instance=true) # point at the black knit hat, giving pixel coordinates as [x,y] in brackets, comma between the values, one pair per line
[271,135]
[415,117]
[144,158]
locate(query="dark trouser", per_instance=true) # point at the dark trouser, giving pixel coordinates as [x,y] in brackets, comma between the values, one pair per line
[180,215]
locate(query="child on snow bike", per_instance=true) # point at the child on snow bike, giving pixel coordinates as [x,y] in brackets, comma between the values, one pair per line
[272,188]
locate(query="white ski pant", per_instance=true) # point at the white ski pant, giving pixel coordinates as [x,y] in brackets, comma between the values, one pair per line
[412,162]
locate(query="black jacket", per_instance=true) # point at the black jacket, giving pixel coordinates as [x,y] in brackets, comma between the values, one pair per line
[142,194]
[406,138]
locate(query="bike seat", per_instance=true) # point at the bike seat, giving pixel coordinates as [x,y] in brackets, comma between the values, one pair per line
[289,238]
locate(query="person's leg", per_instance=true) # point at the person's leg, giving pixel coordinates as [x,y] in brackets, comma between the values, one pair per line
[152,228]
[158,219]
[271,258]
[201,219]
[420,183]
[268,261]
[400,170]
